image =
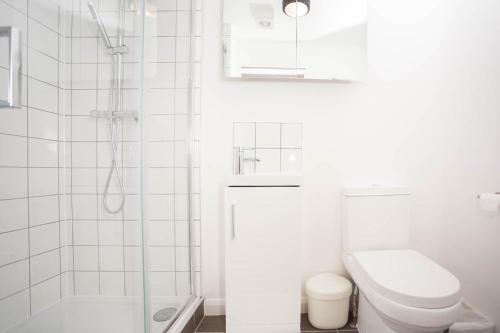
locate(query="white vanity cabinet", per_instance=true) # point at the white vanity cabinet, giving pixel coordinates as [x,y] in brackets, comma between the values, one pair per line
[262,250]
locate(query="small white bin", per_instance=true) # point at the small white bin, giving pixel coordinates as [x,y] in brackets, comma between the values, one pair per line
[328,297]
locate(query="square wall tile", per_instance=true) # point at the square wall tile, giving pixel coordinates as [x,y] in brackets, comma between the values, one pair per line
[43,210]
[84,154]
[84,128]
[163,283]
[67,288]
[113,201]
[44,69]
[13,150]
[84,206]
[161,180]
[182,283]
[244,135]
[291,136]
[182,259]
[43,181]
[13,214]
[162,258]
[85,232]
[181,150]
[131,233]
[291,160]
[43,39]
[112,283]
[43,96]
[268,135]
[43,153]
[44,266]
[44,238]
[270,161]
[161,207]
[181,207]
[86,283]
[111,258]
[83,180]
[160,154]
[111,232]
[13,246]
[182,233]
[45,294]
[83,101]
[14,122]
[183,23]
[13,183]
[45,12]
[161,127]
[133,284]
[163,25]
[14,277]
[133,260]
[131,211]
[66,253]
[86,258]
[162,233]
[14,309]
[181,180]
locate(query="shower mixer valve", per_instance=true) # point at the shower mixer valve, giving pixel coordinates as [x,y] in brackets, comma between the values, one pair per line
[118,50]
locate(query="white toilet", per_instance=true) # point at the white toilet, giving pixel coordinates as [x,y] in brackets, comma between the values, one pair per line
[400,289]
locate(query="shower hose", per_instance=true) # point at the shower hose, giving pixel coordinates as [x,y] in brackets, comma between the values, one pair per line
[114,127]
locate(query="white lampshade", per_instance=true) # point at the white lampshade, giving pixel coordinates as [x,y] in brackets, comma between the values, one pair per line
[296,8]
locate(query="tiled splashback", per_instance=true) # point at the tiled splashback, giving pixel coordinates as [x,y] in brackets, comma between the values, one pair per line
[277,146]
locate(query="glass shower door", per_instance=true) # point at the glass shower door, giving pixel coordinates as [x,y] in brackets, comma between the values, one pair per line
[103,47]
[169,167]
[99,167]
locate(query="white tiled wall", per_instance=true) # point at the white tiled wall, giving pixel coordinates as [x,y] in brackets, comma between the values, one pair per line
[106,247]
[32,207]
[277,146]
[55,237]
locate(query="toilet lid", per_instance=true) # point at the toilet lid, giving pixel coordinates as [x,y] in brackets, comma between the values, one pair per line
[409,278]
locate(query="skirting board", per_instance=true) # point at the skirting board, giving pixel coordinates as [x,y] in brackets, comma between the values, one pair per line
[217,306]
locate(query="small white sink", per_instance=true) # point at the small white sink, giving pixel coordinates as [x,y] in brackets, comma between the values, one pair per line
[264,180]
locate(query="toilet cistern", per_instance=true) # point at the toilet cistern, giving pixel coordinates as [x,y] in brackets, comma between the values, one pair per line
[400,290]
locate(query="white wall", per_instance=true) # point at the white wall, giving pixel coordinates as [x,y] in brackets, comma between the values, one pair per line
[428,117]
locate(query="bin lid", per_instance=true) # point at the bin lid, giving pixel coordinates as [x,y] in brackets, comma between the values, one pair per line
[328,286]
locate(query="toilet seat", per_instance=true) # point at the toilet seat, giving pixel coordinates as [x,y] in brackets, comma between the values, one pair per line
[408,278]
[416,318]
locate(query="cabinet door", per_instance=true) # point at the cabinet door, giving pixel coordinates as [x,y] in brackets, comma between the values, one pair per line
[263,259]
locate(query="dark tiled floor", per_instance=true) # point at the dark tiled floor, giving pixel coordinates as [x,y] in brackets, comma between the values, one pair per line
[217,324]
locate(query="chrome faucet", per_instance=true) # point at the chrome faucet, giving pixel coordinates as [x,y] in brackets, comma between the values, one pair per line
[239,160]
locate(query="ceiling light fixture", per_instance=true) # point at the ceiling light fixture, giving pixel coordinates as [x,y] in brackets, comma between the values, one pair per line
[296,8]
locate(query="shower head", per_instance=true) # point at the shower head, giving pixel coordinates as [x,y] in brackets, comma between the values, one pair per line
[97,18]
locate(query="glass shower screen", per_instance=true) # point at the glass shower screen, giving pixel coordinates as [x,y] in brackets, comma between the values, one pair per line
[107,192]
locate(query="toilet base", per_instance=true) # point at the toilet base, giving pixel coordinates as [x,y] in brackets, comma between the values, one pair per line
[369,321]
